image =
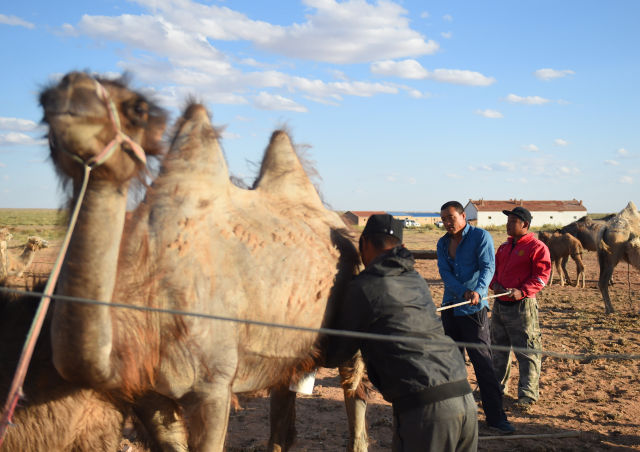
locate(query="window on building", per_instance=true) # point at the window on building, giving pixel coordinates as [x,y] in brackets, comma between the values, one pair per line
[489,217]
[551,217]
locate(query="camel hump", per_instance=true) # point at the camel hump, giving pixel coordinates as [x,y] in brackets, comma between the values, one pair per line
[283,174]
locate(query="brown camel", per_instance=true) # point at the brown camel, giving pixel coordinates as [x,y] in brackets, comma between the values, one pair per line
[586,230]
[618,241]
[19,264]
[196,243]
[561,246]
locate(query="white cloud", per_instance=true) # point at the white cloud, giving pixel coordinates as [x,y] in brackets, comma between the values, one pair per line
[2,165]
[529,100]
[507,166]
[622,152]
[391,178]
[626,180]
[549,74]
[16,21]
[446,34]
[417,94]
[424,14]
[19,125]
[530,147]
[266,101]
[560,142]
[372,31]
[453,176]
[447,18]
[612,162]
[18,138]
[493,114]
[568,170]
[412,69]
[412,181]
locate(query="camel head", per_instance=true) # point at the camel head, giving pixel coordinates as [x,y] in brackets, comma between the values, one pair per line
[85,115]
[5,235]
[34,243]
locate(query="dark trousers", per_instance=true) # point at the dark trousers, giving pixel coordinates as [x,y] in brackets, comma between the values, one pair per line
[450,425]
[474,328]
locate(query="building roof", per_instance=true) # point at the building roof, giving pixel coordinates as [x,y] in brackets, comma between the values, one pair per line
[485,205]
[415,214]
[365,213]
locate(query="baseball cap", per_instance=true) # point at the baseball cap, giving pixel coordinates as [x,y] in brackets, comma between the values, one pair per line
[383,224]
[519,212]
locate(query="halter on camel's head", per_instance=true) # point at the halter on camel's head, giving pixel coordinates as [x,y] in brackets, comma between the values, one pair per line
[119,138]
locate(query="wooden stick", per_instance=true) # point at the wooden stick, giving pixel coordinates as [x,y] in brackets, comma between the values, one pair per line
[449,306]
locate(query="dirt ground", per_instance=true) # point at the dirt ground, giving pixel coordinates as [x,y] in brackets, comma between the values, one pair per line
[597,403]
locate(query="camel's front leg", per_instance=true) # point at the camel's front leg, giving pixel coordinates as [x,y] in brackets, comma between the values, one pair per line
[207,417]
[162,419]
[550,283]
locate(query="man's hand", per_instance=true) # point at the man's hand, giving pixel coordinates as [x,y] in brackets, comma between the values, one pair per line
[473,296]
[516,294]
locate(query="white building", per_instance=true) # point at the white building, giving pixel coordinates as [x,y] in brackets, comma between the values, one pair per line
[489,213]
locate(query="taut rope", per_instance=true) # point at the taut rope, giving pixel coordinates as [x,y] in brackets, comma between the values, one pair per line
[15,391]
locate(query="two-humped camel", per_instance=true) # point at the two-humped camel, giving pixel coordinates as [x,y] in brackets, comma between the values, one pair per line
[561,246]
[196,243]
[619,240]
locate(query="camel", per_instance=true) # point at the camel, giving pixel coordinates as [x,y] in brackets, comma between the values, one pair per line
[57,415]
[618,240]
[195,243]
[586,230]
[561,246]
[19,264]
[5,236]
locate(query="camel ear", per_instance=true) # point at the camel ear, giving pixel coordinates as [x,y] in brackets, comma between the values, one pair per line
[281,172]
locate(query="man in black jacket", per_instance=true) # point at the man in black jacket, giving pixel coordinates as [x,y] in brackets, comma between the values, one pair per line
[425,378]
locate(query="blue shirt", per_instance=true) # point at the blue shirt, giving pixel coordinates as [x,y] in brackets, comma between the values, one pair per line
[472,268]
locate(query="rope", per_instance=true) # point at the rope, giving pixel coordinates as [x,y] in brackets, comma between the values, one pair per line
[585,358]
[15,390]
[533,436]
[34,331]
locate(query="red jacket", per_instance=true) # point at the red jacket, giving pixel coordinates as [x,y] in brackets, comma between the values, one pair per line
[525,266]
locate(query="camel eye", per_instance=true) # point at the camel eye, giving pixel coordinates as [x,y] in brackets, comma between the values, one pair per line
[141,108]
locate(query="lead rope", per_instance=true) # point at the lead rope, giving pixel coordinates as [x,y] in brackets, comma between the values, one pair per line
[15,393]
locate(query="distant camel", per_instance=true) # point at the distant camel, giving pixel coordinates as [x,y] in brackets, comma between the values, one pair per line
[561,246]
[619,240]
[5,236]
[18,265]
[586,230]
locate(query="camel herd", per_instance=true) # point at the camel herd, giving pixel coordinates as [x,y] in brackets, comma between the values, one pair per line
[615,238]
[273,253]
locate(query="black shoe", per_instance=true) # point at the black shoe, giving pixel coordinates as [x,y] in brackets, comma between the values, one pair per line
[504,427]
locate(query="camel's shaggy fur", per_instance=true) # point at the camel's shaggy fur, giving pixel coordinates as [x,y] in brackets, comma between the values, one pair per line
[561,247]
[196,243]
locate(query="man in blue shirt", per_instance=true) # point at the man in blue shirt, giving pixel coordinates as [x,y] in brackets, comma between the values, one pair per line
[466,263]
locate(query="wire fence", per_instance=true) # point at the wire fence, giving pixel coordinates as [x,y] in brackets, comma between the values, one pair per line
[582,357]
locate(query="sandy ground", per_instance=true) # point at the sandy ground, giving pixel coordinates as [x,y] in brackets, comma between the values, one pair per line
[598,402]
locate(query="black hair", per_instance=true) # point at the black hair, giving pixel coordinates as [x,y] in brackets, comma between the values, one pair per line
[455,204]
[380,241]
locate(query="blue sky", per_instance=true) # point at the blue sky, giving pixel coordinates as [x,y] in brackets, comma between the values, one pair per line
[403,105]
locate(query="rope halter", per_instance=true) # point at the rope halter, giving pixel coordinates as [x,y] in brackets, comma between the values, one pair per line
[119,138]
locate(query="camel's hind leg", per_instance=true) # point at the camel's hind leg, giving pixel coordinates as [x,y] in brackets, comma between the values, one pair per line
[550,282]
[282,417]
[580,271]
[565,273]
[355,399]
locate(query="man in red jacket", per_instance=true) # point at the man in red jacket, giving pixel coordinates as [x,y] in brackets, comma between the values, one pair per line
[523,266]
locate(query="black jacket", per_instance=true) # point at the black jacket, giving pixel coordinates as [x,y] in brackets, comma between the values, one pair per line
[390,298]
